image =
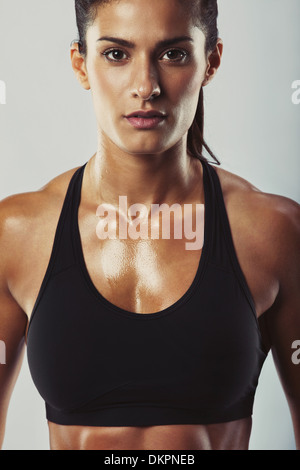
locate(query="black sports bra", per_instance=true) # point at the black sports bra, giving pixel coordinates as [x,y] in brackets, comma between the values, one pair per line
[195,362]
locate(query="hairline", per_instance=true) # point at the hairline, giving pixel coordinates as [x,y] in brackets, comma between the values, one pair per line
[102,3]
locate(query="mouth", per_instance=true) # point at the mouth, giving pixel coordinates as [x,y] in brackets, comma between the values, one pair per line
[146,119]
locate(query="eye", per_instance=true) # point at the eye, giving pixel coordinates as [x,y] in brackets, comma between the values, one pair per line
[175,55]
[114,55]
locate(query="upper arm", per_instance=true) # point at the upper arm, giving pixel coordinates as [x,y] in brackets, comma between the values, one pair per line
[283,318]
[13,321]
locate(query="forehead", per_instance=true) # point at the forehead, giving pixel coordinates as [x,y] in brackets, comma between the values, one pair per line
[144,19]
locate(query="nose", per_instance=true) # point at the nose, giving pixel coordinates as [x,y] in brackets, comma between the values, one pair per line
[145,82]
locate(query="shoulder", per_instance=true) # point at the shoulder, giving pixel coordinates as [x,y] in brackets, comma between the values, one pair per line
[21,213]
[269,222]
[279,211]
[240,191]
[29,202]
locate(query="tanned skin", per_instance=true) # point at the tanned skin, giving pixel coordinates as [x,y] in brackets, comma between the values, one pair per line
[150,167]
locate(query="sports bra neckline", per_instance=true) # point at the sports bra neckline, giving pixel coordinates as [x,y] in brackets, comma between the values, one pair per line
[96,364]
[201,264]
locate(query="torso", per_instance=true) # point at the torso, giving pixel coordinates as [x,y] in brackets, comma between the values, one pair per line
[33,238]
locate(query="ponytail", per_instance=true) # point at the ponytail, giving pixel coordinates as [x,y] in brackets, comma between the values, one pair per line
[195,140]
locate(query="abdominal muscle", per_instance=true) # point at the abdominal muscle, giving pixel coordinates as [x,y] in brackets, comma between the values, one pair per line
[224,436]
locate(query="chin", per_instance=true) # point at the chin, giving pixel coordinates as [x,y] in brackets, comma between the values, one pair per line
[150,151]
[144,149]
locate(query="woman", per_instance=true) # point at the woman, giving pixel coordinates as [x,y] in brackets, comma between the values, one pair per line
[143,344]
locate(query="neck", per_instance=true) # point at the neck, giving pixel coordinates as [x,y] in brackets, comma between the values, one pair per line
[169,177]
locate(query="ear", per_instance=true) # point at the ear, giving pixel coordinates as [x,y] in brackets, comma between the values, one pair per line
[213,62]
[79,66]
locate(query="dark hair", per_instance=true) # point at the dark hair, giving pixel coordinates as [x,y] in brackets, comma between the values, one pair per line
[205,13]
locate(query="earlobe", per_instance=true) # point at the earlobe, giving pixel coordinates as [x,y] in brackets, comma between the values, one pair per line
[207,79]
[79,67]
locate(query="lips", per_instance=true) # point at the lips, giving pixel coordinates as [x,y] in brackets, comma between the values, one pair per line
[146,119]
[146,114]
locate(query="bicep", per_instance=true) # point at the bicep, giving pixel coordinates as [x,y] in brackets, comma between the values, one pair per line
[13,323]
[284,330]
[283,319]
[284,333]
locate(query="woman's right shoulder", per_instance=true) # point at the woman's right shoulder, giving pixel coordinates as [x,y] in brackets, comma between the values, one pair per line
[18,211]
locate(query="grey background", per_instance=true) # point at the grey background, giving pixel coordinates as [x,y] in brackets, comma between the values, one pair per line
[47,126]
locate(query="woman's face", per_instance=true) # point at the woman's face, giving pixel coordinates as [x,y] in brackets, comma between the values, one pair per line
[144,55]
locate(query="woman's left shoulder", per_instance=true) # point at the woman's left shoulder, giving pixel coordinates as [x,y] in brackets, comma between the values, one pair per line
[262,208]
[265,227]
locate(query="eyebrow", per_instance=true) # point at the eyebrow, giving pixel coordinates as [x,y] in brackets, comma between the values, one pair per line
[165,42]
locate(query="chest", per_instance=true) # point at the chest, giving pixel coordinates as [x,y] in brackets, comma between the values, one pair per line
[144,276]
[163,358]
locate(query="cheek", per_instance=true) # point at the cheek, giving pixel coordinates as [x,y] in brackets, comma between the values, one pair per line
[106,86]
[184,85]
[184,90]
[110,100]
[102,87]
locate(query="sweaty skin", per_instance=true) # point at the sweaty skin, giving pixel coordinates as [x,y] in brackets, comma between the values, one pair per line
[40,221]
[149,167]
